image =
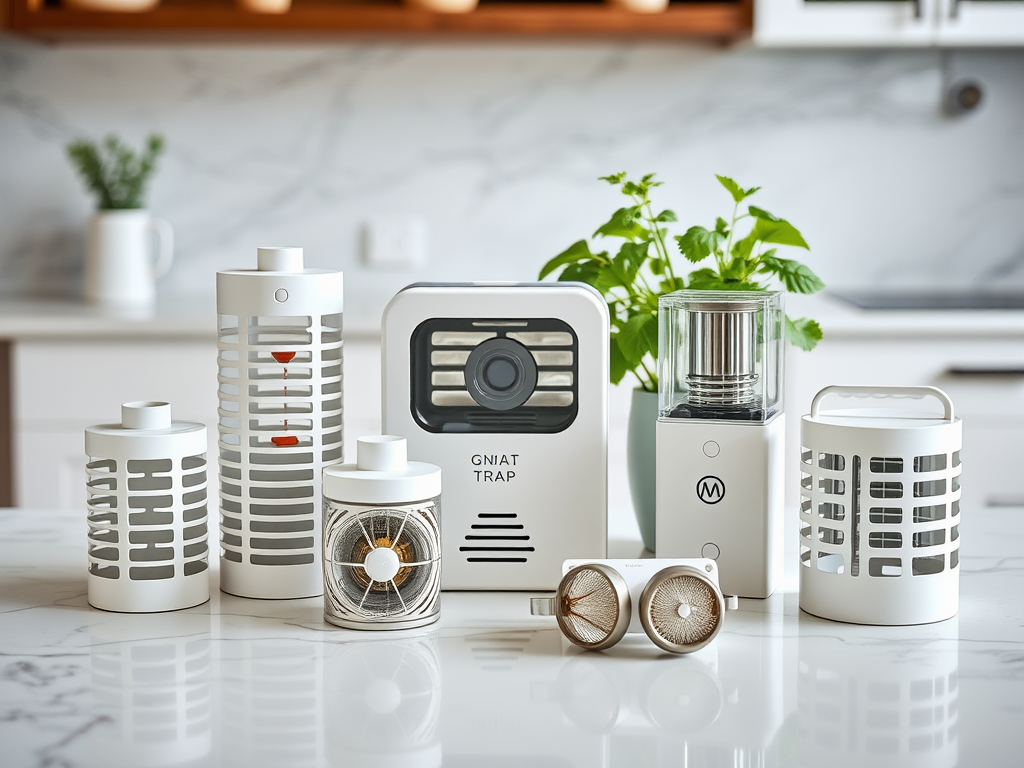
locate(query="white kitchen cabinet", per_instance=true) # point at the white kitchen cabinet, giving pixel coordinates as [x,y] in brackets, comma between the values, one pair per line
[909,23]
[59,387]
[984,376]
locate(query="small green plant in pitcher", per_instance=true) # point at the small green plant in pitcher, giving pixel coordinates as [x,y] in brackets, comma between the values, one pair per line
[114,172]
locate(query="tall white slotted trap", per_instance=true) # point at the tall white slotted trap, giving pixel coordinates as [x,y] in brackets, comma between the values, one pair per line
[880,509]
[147,512]
[280,389]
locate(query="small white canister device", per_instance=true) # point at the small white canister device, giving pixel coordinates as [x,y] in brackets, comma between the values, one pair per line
[880,509]
[720,434]
[147,513]
[505,387]
[382,538]
[280,389]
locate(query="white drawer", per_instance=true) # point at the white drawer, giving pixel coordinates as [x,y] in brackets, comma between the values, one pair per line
[955,366]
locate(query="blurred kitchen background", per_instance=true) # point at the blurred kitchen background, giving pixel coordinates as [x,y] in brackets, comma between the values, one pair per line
[495,147]
[479,157]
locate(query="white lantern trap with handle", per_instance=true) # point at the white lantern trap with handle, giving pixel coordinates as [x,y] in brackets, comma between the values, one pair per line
[280,390]
[880,509]
[147,512]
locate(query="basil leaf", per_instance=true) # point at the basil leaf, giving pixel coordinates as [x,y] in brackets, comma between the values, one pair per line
[739,194]
[698,243]
[618,367]
[803,333]
[797,277]
[761,213]
[780,232]
[576,252]
[639,336]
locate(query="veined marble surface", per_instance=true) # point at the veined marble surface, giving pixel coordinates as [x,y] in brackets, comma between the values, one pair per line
[498,146]
[267,683]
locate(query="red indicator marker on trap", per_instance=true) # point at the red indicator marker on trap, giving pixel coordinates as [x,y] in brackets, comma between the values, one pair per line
[283,357]
[284,440]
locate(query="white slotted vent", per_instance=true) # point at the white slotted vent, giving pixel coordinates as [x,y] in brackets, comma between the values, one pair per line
[147,512]
[280,422]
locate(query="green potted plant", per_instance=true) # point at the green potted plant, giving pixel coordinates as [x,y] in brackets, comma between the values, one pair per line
[119,269]
[738,253]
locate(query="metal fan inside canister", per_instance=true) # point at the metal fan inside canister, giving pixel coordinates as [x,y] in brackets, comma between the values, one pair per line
[382,565]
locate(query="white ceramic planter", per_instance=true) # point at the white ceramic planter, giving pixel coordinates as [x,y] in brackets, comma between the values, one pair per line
[119,265]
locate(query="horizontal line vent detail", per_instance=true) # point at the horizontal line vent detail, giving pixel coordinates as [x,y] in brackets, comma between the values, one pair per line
[488,543]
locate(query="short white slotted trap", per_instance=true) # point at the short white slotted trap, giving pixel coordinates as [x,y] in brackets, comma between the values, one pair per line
[147,512]
[280,389]
[382,538]
[880,510]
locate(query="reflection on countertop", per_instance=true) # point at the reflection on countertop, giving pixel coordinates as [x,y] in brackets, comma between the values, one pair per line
[253,683]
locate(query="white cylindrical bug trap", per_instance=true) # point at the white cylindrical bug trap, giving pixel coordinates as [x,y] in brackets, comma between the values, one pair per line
[280,390]
[880,509]
[382,538]
[147,512]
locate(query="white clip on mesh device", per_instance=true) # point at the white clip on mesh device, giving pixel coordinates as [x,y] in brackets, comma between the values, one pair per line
[679,604]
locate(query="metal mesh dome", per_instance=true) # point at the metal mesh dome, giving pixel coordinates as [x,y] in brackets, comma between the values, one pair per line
[593,606]
[681,609]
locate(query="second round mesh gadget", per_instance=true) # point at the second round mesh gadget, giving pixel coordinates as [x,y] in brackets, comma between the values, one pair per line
[681,608]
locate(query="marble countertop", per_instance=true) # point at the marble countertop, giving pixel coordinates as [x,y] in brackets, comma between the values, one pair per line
[268,683]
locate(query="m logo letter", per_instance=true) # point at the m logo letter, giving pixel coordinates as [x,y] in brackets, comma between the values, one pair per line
[710,489]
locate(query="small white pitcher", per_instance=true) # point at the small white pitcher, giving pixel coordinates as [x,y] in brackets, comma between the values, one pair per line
[119,267]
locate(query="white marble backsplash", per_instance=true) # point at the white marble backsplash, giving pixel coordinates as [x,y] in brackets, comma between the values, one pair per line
[498,146]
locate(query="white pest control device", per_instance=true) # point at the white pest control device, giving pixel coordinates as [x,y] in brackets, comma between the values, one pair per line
[880,507]
[720,434]
[279,358]
[505,387]
[148,546]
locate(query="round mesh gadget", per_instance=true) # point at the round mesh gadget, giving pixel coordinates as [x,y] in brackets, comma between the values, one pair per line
[681,609]
[593,606]
[407,588]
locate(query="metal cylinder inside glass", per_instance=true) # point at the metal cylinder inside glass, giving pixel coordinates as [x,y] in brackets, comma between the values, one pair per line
[721,354]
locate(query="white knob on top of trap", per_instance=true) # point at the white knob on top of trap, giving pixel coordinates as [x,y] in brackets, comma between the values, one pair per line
[382,453]
[146,414]
[279,260]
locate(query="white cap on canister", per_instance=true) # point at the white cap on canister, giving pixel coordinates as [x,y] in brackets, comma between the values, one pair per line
[382,453]
[279,259]
[145,432]
[146,414]
[382,475]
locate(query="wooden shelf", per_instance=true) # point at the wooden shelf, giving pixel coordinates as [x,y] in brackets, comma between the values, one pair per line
[197,21]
